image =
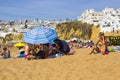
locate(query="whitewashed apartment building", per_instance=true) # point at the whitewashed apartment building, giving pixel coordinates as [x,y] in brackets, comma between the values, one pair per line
[108,19]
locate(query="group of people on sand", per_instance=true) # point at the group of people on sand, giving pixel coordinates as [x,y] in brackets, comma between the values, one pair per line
[100,46]
[58,48]
[44,51]
[80,44]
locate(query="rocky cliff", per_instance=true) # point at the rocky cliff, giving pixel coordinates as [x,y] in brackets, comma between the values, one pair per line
[77,29]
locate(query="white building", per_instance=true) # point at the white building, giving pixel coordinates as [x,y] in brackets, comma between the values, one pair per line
[108,19]
[22,26]
[110,25]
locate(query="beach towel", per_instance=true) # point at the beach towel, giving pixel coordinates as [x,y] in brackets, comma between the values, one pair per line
[72,52]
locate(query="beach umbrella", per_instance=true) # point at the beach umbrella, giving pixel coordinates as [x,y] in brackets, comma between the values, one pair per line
[40,35]
[19,44]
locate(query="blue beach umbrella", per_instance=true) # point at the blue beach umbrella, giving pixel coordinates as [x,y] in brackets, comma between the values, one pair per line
[40,35]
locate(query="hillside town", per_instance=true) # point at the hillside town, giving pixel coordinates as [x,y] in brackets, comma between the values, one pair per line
[108,19]
[22,26]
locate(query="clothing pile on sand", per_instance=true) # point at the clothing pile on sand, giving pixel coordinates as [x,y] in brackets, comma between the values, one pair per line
[117,48]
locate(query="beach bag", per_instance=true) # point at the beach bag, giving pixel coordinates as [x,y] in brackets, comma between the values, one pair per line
[66,48]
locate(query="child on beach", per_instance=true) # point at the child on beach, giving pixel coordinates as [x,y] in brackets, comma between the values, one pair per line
[21,53]
[5,53]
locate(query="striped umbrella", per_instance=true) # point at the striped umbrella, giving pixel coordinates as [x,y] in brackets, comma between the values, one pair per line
[40,35]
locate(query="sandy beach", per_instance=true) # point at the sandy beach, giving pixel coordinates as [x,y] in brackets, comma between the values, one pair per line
[80,66]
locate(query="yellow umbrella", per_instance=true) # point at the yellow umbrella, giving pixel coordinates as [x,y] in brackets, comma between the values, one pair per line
[19,44]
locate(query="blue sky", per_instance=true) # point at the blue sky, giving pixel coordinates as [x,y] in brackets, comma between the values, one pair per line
[50,9]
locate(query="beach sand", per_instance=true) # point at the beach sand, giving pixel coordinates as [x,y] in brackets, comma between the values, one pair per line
[80,66]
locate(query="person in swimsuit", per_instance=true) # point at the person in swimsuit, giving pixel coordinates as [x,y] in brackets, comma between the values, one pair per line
[101,45]
[21,52]
[29,52]
[5,53]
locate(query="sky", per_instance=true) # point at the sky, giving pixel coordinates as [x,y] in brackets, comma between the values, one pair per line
[50,9]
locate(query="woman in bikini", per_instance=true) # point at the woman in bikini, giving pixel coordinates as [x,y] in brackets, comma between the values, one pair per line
[101,45]
[29,51]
